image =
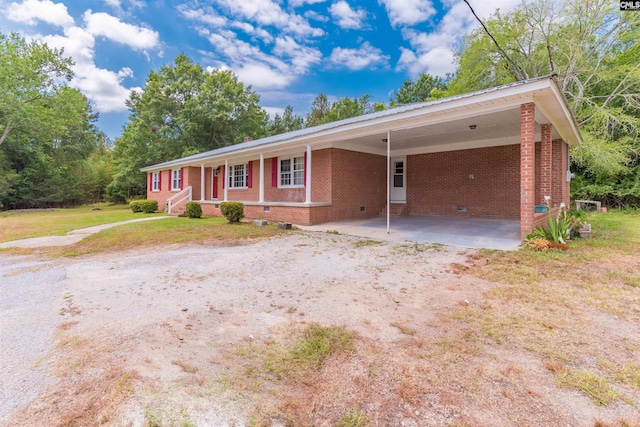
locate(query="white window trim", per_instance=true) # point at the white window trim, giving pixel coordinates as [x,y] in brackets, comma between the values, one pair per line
[291,159]
[173,172]
[155,182]
[230,177]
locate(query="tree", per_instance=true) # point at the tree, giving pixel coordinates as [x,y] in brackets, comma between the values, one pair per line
[424,88]
[285,123]
[324,112]
[183,110]
[31,77]
[592,47]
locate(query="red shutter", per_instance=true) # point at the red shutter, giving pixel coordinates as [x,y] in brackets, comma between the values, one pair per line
[160,181]
[150,181]
[305,169]
[274,171]
[250,174]
[181,178]
[224,181]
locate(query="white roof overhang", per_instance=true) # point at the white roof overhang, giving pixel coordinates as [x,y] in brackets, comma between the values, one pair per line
[481,119]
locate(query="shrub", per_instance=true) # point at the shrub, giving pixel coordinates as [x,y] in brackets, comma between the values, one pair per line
[135,206]
[148,206]
[232,211]
[193,210]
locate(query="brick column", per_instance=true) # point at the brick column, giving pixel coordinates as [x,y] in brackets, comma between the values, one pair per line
[527,168]
[559,173]
[546,168]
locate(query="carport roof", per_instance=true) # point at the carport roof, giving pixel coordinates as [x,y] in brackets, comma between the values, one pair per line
[438,124]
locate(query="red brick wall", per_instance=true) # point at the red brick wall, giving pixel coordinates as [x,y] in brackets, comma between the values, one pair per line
[165,190]
[437,183]
[359,179]
[527,168]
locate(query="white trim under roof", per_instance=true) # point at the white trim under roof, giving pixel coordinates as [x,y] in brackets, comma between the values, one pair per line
[543,91]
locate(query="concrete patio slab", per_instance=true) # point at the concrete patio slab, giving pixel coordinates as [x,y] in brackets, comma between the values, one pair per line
[502,234]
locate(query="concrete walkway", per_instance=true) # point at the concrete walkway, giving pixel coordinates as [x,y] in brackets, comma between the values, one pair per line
[467,232]
[71,237]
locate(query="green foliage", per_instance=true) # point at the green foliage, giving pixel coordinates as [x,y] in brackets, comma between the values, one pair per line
[193,210]
[148,206]
[322,111]
[593,48]
[31,79]
[48,142]
[184,109]
[419,91]
[559,226]
[355,418]
[232,211]
[286,123]
[135,206]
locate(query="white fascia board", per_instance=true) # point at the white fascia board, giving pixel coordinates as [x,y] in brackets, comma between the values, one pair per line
[454,109]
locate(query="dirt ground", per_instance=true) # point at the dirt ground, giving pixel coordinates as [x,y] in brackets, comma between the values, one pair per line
[190,336]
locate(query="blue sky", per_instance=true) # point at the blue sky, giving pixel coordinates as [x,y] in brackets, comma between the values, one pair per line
[289,51]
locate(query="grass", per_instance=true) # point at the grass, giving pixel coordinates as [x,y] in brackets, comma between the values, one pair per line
[589,383]
[165,232]
[355,418]
[544,302]
[57,222]
[309,351]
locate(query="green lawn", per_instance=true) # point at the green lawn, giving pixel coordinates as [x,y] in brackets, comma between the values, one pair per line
[23,225]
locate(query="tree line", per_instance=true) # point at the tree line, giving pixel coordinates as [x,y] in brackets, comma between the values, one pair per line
[52,154]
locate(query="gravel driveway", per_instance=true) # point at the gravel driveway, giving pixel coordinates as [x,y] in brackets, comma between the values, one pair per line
[324,277]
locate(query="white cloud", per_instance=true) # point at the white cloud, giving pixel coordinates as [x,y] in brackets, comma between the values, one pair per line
[272,111]
[408,12]
[346,17]
[316,16]
[269,13]
[260,75]
[29,11]
[125,72]
[433,52]
[103,24]
[297,3]
[103,87]
[113,3]
[254,67]
[437,62]
[357,59]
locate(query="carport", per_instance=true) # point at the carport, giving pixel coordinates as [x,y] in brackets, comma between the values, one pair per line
[489,233]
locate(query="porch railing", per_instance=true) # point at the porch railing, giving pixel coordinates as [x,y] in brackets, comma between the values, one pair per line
[178,198]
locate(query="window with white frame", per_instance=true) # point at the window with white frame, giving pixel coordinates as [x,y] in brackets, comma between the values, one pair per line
[291,172]
[238,176]
[155,181]
[176,179]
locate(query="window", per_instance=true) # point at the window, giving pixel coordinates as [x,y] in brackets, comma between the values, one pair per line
[292,172]
[238,176]
[155,181]
[176,179]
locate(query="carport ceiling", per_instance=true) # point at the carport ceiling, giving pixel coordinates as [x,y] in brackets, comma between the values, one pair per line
[493,129]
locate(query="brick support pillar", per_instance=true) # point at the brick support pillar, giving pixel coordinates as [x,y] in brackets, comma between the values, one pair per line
[527,168]
[546,168]
[559,173]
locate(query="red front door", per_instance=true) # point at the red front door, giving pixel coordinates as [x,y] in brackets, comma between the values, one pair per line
[215,187]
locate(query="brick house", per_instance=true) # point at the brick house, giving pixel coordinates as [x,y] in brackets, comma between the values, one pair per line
[495,153]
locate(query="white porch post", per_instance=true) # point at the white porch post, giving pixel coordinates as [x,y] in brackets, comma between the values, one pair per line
[308,173]
[226,178]
[261,195]
[202,182]
[388,181]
